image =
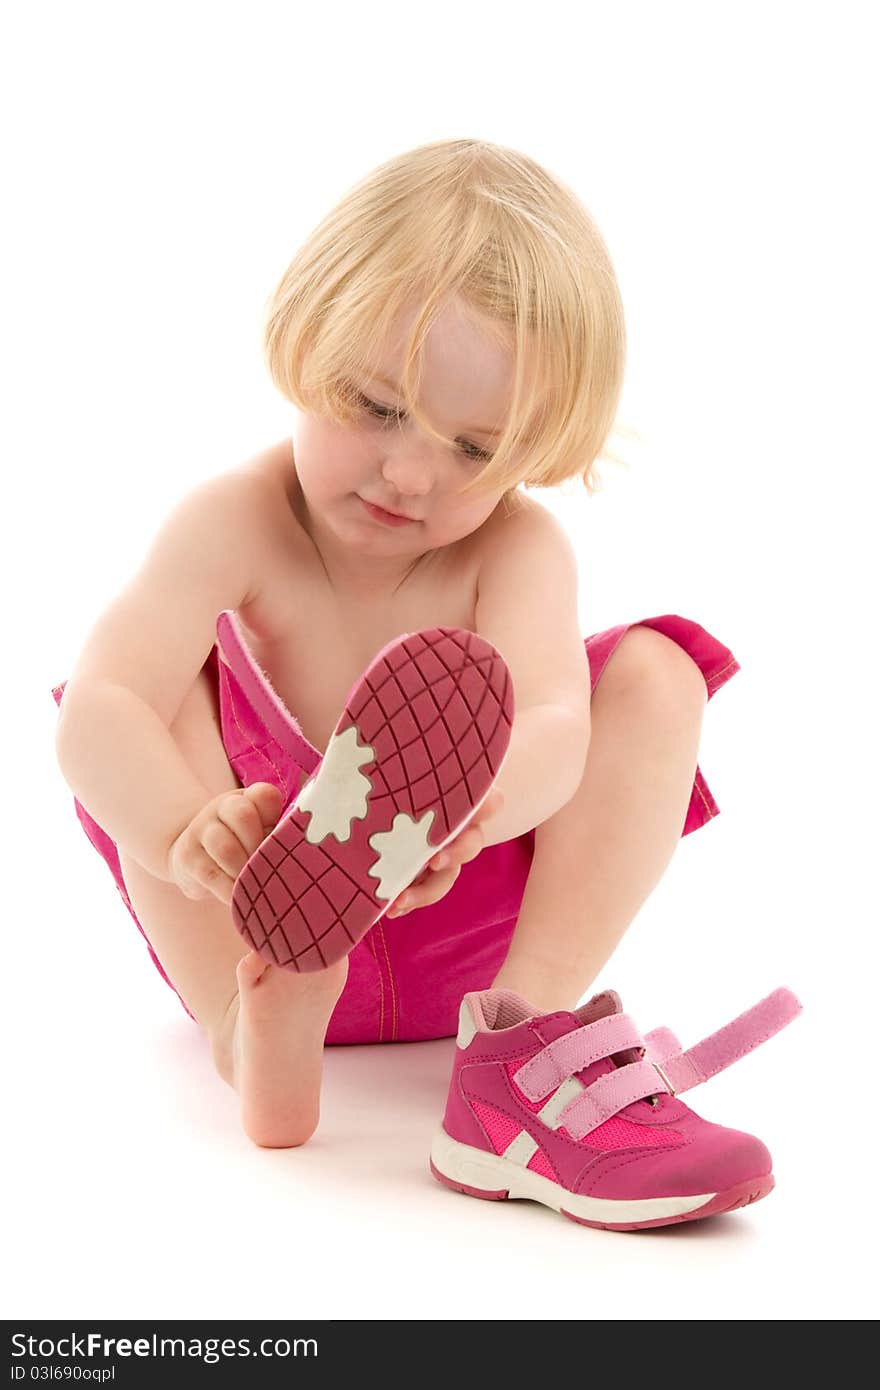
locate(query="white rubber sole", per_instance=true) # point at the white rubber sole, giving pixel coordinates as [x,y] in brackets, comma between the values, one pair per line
[491,1174]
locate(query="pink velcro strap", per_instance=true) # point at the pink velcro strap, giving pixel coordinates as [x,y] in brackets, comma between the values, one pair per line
[610,1093]
[729,1044]
[660,1043]
[573,1051]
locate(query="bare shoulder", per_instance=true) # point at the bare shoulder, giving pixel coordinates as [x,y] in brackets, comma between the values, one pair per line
[253,508]
[156,633]
[263,472]
[525,529]
[255,481]
[266,490]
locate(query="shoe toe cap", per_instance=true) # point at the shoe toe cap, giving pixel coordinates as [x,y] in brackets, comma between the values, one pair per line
[711,1159]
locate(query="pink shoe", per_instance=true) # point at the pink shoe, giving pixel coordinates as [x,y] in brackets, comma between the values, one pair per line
[566,1109]
[421,740]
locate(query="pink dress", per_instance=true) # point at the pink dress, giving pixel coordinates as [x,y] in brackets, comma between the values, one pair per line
[407,976]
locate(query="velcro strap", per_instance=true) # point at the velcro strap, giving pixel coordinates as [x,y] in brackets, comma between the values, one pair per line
[660,1043]
[729,1044]
[610,1093]
[561,1059]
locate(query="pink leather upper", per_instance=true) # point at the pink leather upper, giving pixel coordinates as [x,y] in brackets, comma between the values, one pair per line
[697,1157]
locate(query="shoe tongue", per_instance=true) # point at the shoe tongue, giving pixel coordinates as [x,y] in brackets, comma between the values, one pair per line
[554,1026]
[602,1005]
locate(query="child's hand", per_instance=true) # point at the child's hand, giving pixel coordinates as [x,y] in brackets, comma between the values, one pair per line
[210,852]
[436,879]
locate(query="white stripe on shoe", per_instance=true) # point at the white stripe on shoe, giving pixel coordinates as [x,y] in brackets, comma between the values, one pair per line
[523,1148]
[557,1102]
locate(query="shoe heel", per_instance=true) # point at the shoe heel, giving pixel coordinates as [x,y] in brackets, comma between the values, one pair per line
[463,1187]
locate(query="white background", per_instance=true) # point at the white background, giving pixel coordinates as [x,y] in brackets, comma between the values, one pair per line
[162,164]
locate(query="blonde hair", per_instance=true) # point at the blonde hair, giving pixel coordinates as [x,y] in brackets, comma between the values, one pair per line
[476,220]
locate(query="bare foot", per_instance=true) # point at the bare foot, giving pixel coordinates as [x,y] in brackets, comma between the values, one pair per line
[278,1048]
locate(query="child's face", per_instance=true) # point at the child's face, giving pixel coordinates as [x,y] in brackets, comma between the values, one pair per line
[396,465]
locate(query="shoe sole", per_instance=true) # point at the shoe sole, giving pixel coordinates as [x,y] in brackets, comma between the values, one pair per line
[420,742]
[495,1179]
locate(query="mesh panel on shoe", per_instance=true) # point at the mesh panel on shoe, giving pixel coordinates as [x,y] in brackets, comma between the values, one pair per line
[614,1133]
[623,1134]
[501,1129]
[540,1164]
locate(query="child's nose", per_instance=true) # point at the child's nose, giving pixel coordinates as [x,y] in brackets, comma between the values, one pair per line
[410,467]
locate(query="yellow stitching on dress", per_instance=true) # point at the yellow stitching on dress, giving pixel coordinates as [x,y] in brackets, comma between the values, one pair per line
[699,790]
[713,679]
[372,946]
[391,982]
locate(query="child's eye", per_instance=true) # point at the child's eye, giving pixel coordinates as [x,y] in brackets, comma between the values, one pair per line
[385,412]
[473,451]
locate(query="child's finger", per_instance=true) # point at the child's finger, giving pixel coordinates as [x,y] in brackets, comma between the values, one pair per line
[468,845]
[268,800]
[493,803]
[475,844]
[420,895]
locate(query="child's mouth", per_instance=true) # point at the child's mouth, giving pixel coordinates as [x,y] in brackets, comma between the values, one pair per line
[387,518]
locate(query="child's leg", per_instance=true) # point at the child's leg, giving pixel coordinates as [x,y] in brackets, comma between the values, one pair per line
[266,1026]
[600,856]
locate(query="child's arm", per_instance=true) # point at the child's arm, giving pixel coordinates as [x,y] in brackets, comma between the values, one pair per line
[113,740]
[527,607]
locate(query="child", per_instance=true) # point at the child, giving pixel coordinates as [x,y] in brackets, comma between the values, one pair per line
[451,330]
